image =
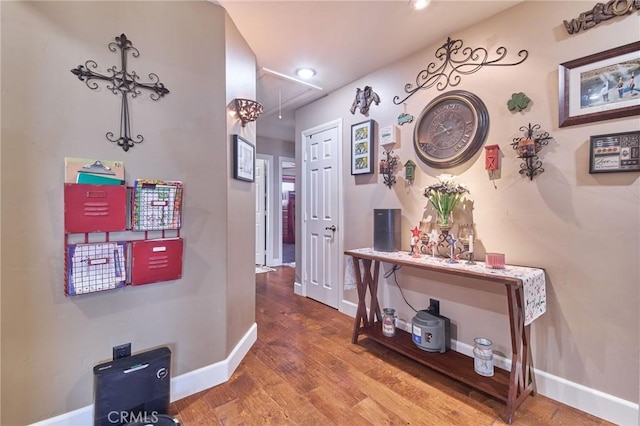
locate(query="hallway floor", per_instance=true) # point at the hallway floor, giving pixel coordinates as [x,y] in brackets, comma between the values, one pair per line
[304,370]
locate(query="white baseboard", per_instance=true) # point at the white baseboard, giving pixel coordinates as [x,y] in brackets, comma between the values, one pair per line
[181,386]
[214,374]
[608,407]
[349,308]
[81,416]
[592,401]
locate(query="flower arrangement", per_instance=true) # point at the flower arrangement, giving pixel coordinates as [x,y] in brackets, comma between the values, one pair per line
[444,196]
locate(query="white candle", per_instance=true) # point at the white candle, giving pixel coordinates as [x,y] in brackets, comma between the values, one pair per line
[471,243]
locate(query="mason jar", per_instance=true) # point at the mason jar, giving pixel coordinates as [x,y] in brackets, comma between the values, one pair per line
[388,322]
[483,356]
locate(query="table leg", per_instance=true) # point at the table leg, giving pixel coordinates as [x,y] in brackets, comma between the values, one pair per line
[528,361]
[374,309]
[361,312]
[520,383]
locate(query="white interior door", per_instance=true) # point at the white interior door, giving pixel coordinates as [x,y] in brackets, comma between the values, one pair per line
[260,212]
[321,216]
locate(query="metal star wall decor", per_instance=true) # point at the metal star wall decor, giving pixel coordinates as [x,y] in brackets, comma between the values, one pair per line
[456,61]
[121,81]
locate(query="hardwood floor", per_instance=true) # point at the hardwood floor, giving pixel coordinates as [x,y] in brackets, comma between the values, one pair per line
[304,370]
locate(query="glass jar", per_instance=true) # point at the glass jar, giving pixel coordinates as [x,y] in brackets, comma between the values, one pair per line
[483,356]
[388,322]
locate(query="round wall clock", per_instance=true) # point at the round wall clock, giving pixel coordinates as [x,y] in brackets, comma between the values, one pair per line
[451,129]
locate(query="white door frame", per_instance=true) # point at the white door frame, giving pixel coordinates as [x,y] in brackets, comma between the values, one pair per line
[301,288]
[261,211]
[270,208]
[279,212]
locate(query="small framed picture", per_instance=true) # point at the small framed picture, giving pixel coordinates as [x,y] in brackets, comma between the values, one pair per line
[244,159]
[601,86]
[389,135]
[615,152]
[362,147]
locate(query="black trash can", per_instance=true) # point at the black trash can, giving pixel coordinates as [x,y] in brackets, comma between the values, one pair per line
[133,390]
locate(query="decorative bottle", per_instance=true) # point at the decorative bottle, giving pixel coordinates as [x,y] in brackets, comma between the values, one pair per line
[389,322]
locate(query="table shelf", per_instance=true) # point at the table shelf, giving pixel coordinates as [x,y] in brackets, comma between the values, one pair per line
[510,387]
[451,363]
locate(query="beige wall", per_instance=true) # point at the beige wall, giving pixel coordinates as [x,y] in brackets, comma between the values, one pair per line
[240,215]
[50,342]
[583,229]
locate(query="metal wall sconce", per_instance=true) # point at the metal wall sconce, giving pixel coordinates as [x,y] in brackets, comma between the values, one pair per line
[248,110]
[388,166]
[528,147]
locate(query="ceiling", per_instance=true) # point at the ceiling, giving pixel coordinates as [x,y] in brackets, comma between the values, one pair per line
[342,41]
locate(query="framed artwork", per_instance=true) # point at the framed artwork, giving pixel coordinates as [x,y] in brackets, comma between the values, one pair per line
[244,159]
[600,87]
[362,147]
[615,152]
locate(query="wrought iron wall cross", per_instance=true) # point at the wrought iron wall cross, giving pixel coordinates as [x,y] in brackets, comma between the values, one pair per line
[124,83]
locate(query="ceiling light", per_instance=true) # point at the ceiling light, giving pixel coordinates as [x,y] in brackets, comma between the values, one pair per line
[419,4]
[305,73]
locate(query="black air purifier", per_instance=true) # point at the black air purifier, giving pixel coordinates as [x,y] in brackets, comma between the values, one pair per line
[386,229]
[132,389]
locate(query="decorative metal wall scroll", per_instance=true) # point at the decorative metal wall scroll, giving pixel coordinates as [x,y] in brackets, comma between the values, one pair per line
[363,100]
[462,61]
[601,12]
[528,147]
[124,83]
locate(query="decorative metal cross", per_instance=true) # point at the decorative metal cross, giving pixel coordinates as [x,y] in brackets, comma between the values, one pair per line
[124,83]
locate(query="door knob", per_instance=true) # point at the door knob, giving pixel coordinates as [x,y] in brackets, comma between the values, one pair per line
[331,228]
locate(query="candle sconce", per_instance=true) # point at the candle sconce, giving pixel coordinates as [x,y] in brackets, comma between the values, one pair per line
[443,243]
[388,166]
[466,238]
[528,148]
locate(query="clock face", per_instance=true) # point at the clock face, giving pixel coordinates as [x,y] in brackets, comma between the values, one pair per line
[451,129]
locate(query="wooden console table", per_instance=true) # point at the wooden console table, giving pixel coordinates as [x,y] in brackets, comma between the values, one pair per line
[511,387]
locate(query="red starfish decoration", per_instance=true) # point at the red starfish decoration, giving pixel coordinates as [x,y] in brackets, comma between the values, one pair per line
[415,232]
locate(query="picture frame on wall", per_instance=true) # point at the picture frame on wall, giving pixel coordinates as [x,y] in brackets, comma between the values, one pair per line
[602,86]
[244,159]
[615,152]
[362,148]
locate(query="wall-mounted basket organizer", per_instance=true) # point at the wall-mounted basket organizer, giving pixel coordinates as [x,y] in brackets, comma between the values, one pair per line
[117,236]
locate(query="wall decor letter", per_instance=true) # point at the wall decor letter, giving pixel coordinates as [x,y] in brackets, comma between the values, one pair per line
[601,12]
